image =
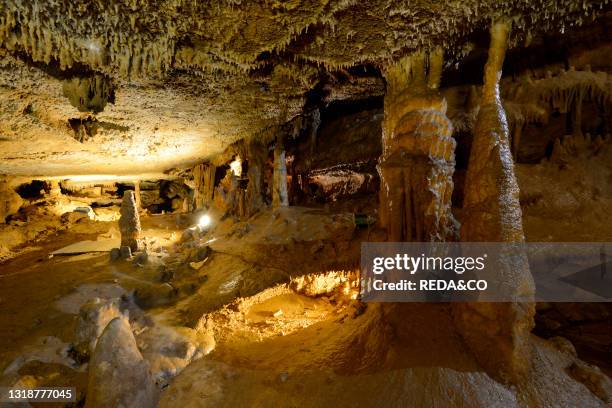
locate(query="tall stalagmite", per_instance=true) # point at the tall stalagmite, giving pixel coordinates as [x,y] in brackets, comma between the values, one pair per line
[279,189]
[129,223]
[256,155]
[204,184]
[498,334]
[418,160]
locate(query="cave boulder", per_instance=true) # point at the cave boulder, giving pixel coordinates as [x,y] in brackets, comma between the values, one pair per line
[118,375]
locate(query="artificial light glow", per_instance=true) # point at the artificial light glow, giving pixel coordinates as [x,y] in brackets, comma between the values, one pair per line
[236,166]
[204,221]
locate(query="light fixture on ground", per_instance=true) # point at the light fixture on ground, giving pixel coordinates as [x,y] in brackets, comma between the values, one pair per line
[204,221]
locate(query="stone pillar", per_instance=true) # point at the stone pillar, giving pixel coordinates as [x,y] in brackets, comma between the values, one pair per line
[129,223]
[204,184]
[280,197]
[418,159]
[497,333]
[137,194]
[256,156]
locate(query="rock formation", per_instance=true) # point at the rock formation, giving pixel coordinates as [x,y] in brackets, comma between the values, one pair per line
[204,184]
[279,186]
[418,160]
[498,334]
[129,223]
[118,375]
[10,201]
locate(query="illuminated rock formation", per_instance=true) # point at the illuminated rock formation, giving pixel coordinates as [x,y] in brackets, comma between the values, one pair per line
[418,159]
[10,201]
[129,223]
[279,187]
[118,375]
[204,184]
[498,334]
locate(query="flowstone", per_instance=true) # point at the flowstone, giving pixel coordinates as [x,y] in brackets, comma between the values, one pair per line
[418,160]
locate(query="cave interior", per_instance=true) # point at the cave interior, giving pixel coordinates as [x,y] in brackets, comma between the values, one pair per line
[185,188]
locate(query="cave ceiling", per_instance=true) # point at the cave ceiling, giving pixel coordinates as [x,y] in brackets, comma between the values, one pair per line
[129,86]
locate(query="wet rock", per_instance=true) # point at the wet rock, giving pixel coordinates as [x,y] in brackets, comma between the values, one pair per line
[498,334]
[115,254]
[118,374]
[141,258]
[126,252]
[592,378]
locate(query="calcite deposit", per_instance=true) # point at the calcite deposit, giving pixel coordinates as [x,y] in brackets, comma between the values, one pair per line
[129,223]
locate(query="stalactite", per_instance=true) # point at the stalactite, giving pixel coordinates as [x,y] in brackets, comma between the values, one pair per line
[498,334]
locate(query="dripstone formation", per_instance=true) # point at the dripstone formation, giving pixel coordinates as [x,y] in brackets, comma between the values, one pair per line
[129,223]
[418,161]
[498,333]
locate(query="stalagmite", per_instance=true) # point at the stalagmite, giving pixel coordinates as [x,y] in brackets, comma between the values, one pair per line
[279,190]
[418,159]
[129,223]
[498,334]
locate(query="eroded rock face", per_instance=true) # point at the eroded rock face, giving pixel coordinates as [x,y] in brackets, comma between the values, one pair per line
[129,223]
[10,202]
[118,375]
[498,334]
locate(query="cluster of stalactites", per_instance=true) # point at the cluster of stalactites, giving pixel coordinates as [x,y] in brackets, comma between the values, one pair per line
[421,69]
[412,84]
[45,37]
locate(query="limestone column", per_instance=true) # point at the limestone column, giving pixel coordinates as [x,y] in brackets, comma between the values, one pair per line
[280,196]
[497,333]
[129,223]
[256,156]
[418,159]
[204,184]
[137,194]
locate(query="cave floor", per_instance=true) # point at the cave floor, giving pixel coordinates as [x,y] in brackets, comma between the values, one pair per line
[275,344]
[41,295]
